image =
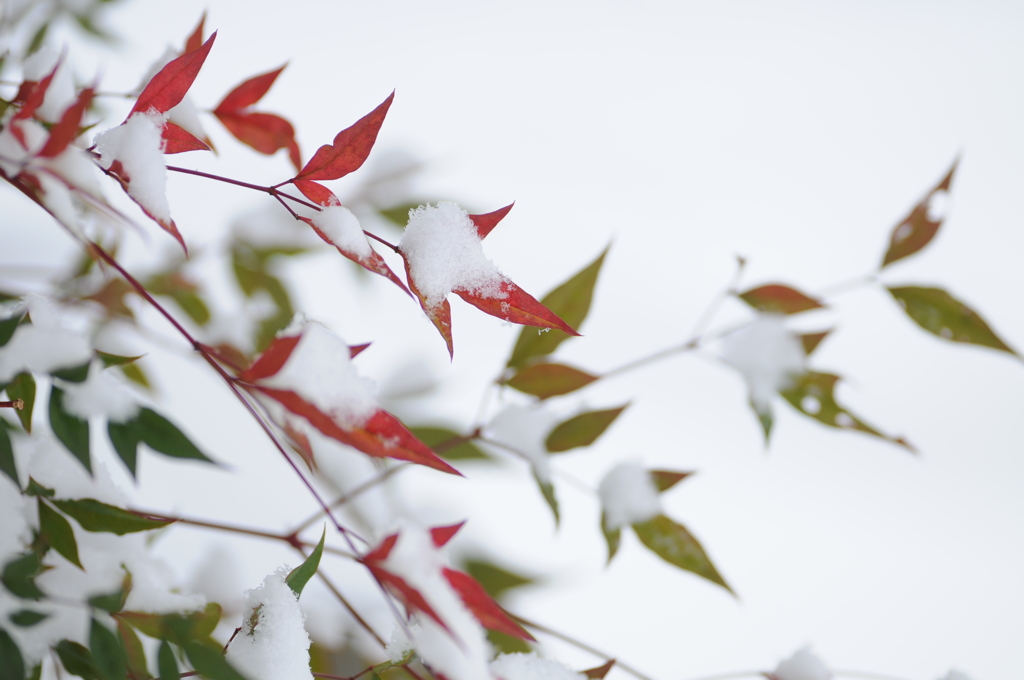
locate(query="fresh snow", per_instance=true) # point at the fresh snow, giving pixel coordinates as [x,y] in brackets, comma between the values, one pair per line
[43,345]
[445,253]
[320,371]
[137,144]
[101,394]
[628,496]
[768,356]
[273,643]
[531,667]
[802,666]
[342,230]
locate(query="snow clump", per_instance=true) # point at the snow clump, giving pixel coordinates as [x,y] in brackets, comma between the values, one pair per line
[444,254]
[768,356]
[138,145]
[342,230]
[273,644]
[628,496]
[531,667]
[320,371]
[42,346]
[802,666]
[101,394]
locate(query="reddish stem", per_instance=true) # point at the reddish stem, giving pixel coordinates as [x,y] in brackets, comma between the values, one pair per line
[17,404]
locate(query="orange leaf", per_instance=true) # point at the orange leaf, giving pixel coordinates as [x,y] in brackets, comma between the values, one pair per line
[350,148]
[439,315]
[169,86]
[265,132]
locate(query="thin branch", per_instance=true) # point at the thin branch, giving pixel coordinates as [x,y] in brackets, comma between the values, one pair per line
[580,645]
[719,299]
[272,191]
[380,240]
[17,404]
[345,498]
[848,285]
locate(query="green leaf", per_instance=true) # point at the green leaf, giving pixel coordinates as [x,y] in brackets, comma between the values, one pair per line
[75,374]
[504,643]
[938,312]
[57,533]
[549,380]
[136,375]
[162,436]
[77,660]
[666,479]
[7,465]
[813,395]
[167,665]
[581,430]
[571,302]
[300,575]
[71,430]
[677,546]
[125,441]
[208,661]
[810,341]
[613,537]
[24,387]
[116,359]
[176,628]
[440,439]
[779,299]
[107,653]
[36,489]
[19,576]
[114,602]
[547,489]
[95,516]
[495,580]
[134,652]
[399,214]
[13,666]
[26,618]
[918,228]
[7,328]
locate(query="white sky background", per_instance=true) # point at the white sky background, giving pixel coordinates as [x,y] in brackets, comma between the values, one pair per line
[795,135]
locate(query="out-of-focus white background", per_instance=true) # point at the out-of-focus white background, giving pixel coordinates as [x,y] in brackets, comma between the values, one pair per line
[793,133]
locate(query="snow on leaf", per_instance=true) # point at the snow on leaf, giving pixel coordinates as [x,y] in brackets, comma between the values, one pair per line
[919,227]
[673,543]
[779,299]
[350,148]
[530,666]
[768,356]
[337,226]
[803,665]
[168,87]
[488,612]
[938,312]
[549,380]
[582,429]
[628,495]
[515,305]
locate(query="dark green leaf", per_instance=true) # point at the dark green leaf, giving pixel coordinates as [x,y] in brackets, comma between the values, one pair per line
[116,360]
[159,434]
[136,375]
[167,665]
[107,653]
[26,618]
[613,537]
[75,374]
[7,328]
[24,387]
[813,394]
[135,653]
[114,602]
[918,228]
[177,628]
[504,643]
[495,580]
[581,430]
[571,302]
[547,489]
[666,479]
[300,575]
[938,312]
[37,672]
[71,430]
[19,576]
[38,38]
[599,672]
[13,666]
[549,380]
[192,304]
[57,533]
[95,516]
[779,299]
[677,546]
[36,489]
[7,465]
[448,444]
[77,660]
[208,661]
[125,441]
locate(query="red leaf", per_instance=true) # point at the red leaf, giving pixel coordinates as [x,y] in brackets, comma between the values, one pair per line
[272,359]
[34,96]
[195,41]
[485,224]
[317,193]
[373,263]
[382,436]
[265,132]
[599,672]
[179,140]
[168,87]
[356,350]
[441,535]
[488,612]
[516,306]
[811,341]
[64,132]
[409,595]
[440,316]
[917,229]
[779,298]
[381,552]
[666,479]
[248,93]
[350,148]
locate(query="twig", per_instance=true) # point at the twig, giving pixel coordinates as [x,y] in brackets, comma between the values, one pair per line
[17,404]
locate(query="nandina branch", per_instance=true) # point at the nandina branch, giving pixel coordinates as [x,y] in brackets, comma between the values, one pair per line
[271,191]
[380,240]
[17,404]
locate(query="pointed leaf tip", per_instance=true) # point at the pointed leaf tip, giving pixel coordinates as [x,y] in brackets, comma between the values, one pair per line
[169,86]
[941,314]
[486,223]
[350,148]
[300,575]
[922,224]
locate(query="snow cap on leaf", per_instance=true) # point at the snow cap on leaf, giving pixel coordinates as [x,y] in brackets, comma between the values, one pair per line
[803,665]
[530,666]
[768,356]
[628,496]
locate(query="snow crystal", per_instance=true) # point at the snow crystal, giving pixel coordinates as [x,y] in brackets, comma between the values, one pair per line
[273,643]
[102,394]
[531,667]
[768,355]
[342,230]
[802,666]
[445,253]
[628,496]
[320,371]
[524,429]
[137,144]
[459,653]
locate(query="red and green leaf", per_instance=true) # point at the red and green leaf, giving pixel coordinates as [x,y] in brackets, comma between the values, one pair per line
[350,148]
[810,341]
[582,429]
[666,479]
[941,314]
[779,299]
[549,380]
[599,672]
[168,87]
[918,228]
